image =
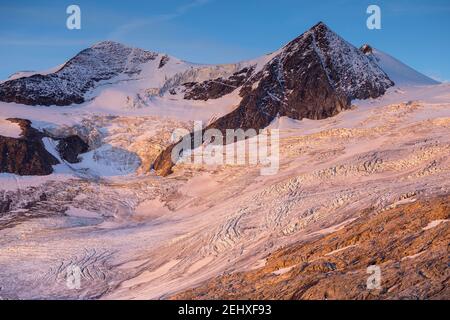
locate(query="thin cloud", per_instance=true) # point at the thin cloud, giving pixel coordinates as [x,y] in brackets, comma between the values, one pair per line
[43,42]
[179,11]
[418,8]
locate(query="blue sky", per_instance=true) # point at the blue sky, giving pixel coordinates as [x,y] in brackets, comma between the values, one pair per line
[33,34]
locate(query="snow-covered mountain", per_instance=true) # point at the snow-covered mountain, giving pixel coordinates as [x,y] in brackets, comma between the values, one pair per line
[357,185]
[346,70]
[314,76]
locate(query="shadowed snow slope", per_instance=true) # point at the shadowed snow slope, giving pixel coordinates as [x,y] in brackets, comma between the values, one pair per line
[399,72]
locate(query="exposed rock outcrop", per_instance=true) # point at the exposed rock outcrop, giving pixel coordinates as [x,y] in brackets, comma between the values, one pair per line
[216,88]
[70,147]
[407,243]
[366,49]
[25,155]
[163,61]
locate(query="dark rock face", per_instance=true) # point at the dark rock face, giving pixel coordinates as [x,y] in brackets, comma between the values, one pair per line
[163,164]
[163,61]
[80,74]
[5,205]
[70,147]
[26,155]
[216,88]
[366,49]
[314,76]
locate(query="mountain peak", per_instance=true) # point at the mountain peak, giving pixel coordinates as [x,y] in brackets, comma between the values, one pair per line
[349,71]
[366,49]
[106,43]
[319,25]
